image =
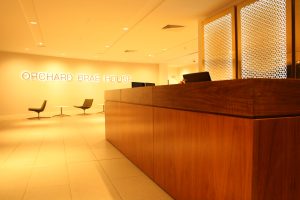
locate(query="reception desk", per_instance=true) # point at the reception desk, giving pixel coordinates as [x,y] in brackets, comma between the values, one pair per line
[221,140]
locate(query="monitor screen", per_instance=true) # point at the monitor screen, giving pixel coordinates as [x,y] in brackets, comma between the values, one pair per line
[197,77]
[150,84]
[141,84]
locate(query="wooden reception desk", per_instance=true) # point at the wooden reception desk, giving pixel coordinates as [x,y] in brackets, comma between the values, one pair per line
[222,140]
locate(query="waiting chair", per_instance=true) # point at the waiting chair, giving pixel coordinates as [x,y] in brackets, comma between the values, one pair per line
[38,110]
[86,105]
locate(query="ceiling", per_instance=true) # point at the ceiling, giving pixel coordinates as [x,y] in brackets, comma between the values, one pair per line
[93,29]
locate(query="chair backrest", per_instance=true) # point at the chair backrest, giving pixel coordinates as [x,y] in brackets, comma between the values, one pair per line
[87,103]
[44,105]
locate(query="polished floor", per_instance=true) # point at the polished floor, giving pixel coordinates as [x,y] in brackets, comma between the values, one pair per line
[67,158]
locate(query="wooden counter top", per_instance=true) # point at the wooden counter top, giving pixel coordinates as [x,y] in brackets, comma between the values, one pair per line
[252,98]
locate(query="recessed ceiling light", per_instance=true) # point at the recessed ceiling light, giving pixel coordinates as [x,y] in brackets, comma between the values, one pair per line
[129,51]
[33,22]
[40,44]
[150,55]
[125,28]
[172,26]
[164,49]
[107,46]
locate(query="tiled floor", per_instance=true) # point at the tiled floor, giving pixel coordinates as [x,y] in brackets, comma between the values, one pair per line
[67,158]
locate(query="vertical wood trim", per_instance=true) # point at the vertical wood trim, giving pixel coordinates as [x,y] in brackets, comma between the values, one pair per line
[293,72]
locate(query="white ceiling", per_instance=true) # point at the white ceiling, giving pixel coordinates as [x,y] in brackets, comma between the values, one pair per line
[85,28]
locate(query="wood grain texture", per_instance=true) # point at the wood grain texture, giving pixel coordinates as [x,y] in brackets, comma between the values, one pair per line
[253,98]
[112,95]
[132,133]
[246,98]
[277,159]
[112,119]
[202,156]
[276,97]
[224,97]
[139,95]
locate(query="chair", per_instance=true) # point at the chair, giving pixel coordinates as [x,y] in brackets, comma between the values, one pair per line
[38,110]
[86,105]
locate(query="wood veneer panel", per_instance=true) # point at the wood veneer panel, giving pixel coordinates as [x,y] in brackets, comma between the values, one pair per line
[276,97]
[112,95]
[112,119]
[139,95]
[224,97]
[247,98]
[276,174]
[136,135]
[202,156]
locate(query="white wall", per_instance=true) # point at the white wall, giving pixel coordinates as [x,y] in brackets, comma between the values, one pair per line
[18,94]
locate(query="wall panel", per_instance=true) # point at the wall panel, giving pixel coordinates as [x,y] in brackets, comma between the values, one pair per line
[264,30]
[18,94]
[219,45]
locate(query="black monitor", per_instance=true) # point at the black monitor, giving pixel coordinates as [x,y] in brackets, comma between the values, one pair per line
[197,77]
[149,84]
[141,84]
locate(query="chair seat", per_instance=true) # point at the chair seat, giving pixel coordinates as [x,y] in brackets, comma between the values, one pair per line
[38,110]
[86,105]
[35,109]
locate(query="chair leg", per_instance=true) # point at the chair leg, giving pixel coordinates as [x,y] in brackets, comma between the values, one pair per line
[38,115]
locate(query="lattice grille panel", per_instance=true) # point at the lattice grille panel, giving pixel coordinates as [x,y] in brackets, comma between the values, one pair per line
[263,39]
[218,48]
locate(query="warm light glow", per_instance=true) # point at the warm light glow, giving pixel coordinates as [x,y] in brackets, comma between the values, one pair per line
[218,59]
[107,46]
[41,44]
[62,81]
[125,29]
[33,22]
[263,40]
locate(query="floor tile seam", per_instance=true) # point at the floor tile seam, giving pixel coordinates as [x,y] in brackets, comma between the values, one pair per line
[129,177]
[103,171]
[109,179]
[67,168]
[12,151]
[107,159]
[32,168]
[89,146]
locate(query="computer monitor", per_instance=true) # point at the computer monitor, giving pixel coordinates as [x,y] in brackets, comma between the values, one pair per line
[197,77]
[141,84]
[149,84]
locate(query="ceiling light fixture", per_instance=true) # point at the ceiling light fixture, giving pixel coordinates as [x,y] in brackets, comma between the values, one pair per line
[129,51]
[107,46]
[40,44]
[125,28]
[33,22]
[150,55]
[172,26]
[164,49]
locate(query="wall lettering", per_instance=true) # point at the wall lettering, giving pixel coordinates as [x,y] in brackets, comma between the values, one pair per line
[82,77]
